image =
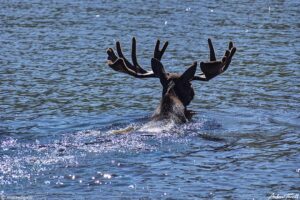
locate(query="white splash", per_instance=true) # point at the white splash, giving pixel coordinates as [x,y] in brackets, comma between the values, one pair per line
[107,176]
[157,126]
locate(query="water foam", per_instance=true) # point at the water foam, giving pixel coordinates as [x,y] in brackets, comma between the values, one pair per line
[157,126]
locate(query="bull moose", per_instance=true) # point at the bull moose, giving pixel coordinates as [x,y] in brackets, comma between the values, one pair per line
[177,88]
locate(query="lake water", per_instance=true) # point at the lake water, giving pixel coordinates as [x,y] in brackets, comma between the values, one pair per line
[60,103]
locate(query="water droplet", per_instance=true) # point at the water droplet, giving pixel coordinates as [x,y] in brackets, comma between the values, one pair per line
[97,15]
[188,9]
[108,176]
[211,10]
[59,183]
[131,186]
[166,22]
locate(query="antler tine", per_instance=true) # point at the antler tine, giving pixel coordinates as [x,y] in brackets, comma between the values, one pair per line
[133,52]
[121,64]
[120,53]
[212,55]
[138,68]
[159,53]
[213,67]
[231,53]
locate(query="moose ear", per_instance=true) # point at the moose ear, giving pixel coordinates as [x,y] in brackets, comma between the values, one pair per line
[159,70]
[188,75]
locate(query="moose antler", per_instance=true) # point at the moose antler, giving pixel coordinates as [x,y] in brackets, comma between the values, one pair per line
[121,64]
[213,67]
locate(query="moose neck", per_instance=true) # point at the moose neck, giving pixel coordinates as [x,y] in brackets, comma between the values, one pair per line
[170,108]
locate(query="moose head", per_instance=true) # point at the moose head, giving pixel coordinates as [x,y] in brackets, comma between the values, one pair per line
[177,88]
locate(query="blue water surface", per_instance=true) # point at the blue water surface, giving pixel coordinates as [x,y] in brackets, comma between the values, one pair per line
[61,106]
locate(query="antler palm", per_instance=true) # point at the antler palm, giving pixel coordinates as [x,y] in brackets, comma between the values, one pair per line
[213,67]
[121,64]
